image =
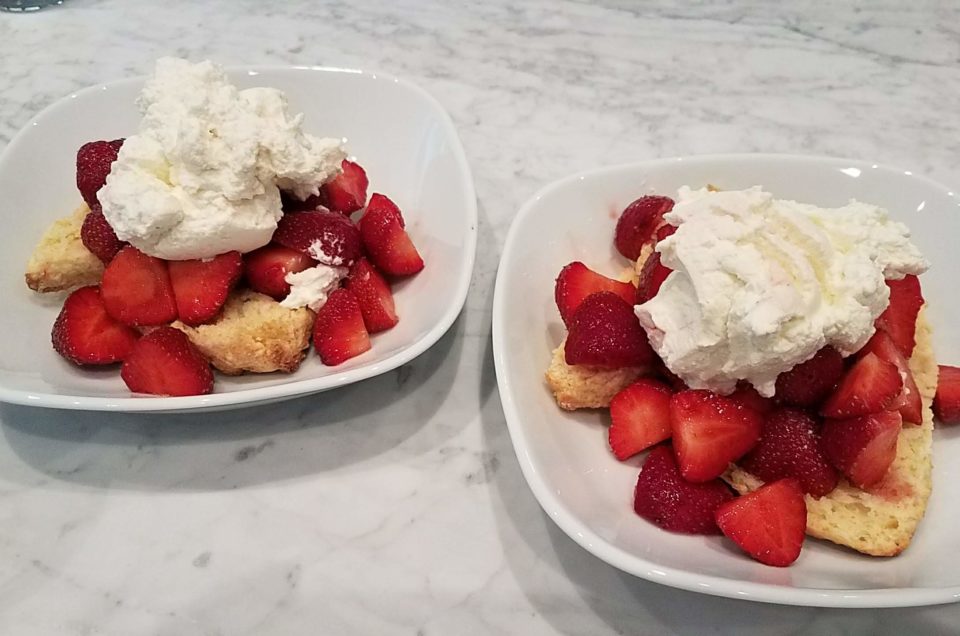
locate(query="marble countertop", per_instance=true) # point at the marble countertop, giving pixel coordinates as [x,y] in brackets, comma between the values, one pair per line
[397,505]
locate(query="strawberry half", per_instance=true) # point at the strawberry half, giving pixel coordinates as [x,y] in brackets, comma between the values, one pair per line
[577,281]
[347,192]
[862,448]
[900,318]
[640,417]
[652,275]
[94,160]
[329,237]
[385,239]
[869,386]
[908,402]
[265,269]
[98,237]
[338,332]
[165,362]
[638,223]
[605,332]
[664,231]
[664,498]
[200,287]
[84,333]
[748,396]
[808,383]
[769,523]
[946,403]
[136,289]
[373,294]
[709,432]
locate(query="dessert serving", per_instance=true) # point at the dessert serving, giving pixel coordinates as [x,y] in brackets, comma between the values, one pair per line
[219,235]
[774,359]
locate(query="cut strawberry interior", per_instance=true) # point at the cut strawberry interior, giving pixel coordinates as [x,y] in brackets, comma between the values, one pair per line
[165,362]
[908,401]
[862,448]
[946,403]
[900,318]
[640,417]
[338,332]
[869,386]
[136,289]
[577,281]
[347,192]
[769,523]
[265,269]
[84,333]
[374,295]
[200,287]
[385,239]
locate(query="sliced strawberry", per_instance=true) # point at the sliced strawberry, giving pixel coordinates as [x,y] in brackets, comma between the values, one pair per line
[338,332]
[810,382]
[769,523]
[640,417]
[386,242]
[605,332]
[664,231]
[869,386]
[577,281]
[347,192]
[709,432]
[265,269]
[946,403]
[165,362]
[84,333]
[638,223]
[329,237]
[373,294]
[789,446]
[136,289]
[900,318]
[746,395]
[664,498]
[98,237]
[652,275]
[200,287]
[94,161]
[908,402]
[862,448]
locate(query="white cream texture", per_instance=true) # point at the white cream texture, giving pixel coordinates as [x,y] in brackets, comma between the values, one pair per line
[201,176]
[311,287]
[760,285]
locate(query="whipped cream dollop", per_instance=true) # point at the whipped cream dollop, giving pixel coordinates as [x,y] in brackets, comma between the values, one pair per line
[203,174]
[311,287]
[760,284]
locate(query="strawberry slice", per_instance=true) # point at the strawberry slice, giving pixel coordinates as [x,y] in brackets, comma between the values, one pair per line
[638,223]
[338,332]
[98,237]
[200,287]
[748,396]
[385,239]
[265,269]
[605,332]
[862,448]
[769,523]
[900,318]
[664,231]
[94,160]
[640,417]
[908,402]
[347,192]
[84,333]
[709,432]
[664,498]
[652,275]
[810,382]
[373,294]
[789,446]
[136,289]
[577,281]
[869,386]
[165,362]
[328,237]
[946,403]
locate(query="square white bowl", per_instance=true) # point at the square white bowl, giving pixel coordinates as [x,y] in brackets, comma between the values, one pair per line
[397,132]
[564,455]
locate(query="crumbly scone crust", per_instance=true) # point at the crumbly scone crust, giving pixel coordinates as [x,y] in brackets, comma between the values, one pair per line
[586,387]
[60,261]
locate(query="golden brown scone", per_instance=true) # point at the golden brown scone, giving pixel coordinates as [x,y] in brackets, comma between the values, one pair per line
[880,522]
[253,333]
[586,387]
[60,261]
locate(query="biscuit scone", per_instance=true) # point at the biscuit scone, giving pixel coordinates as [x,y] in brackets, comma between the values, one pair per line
[60,262]
[586,387]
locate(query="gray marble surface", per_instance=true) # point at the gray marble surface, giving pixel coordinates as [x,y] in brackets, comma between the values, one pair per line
[397,505]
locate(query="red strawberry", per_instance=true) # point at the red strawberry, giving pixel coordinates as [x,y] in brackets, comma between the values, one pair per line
[338,332]
[94,160]
[165,362]
[664,231]
[266,268]
[200,287]
[386,242]
[652,275]
[668,376]
[136,289]
[709,432]
[789,446]
[665,499]
[84,332]
[908,402]
[900,318]
[576,281]
[946,403]
[347,192]
[641,417]
[373,294]
[638,223]
[768,523]
[862,448]
[808,383]
[98,237]
[748,396]
[605,332]
[329,237]
[869,386]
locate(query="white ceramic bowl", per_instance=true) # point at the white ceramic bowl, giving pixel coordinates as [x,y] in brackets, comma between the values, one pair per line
[399,133]
[564,456]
